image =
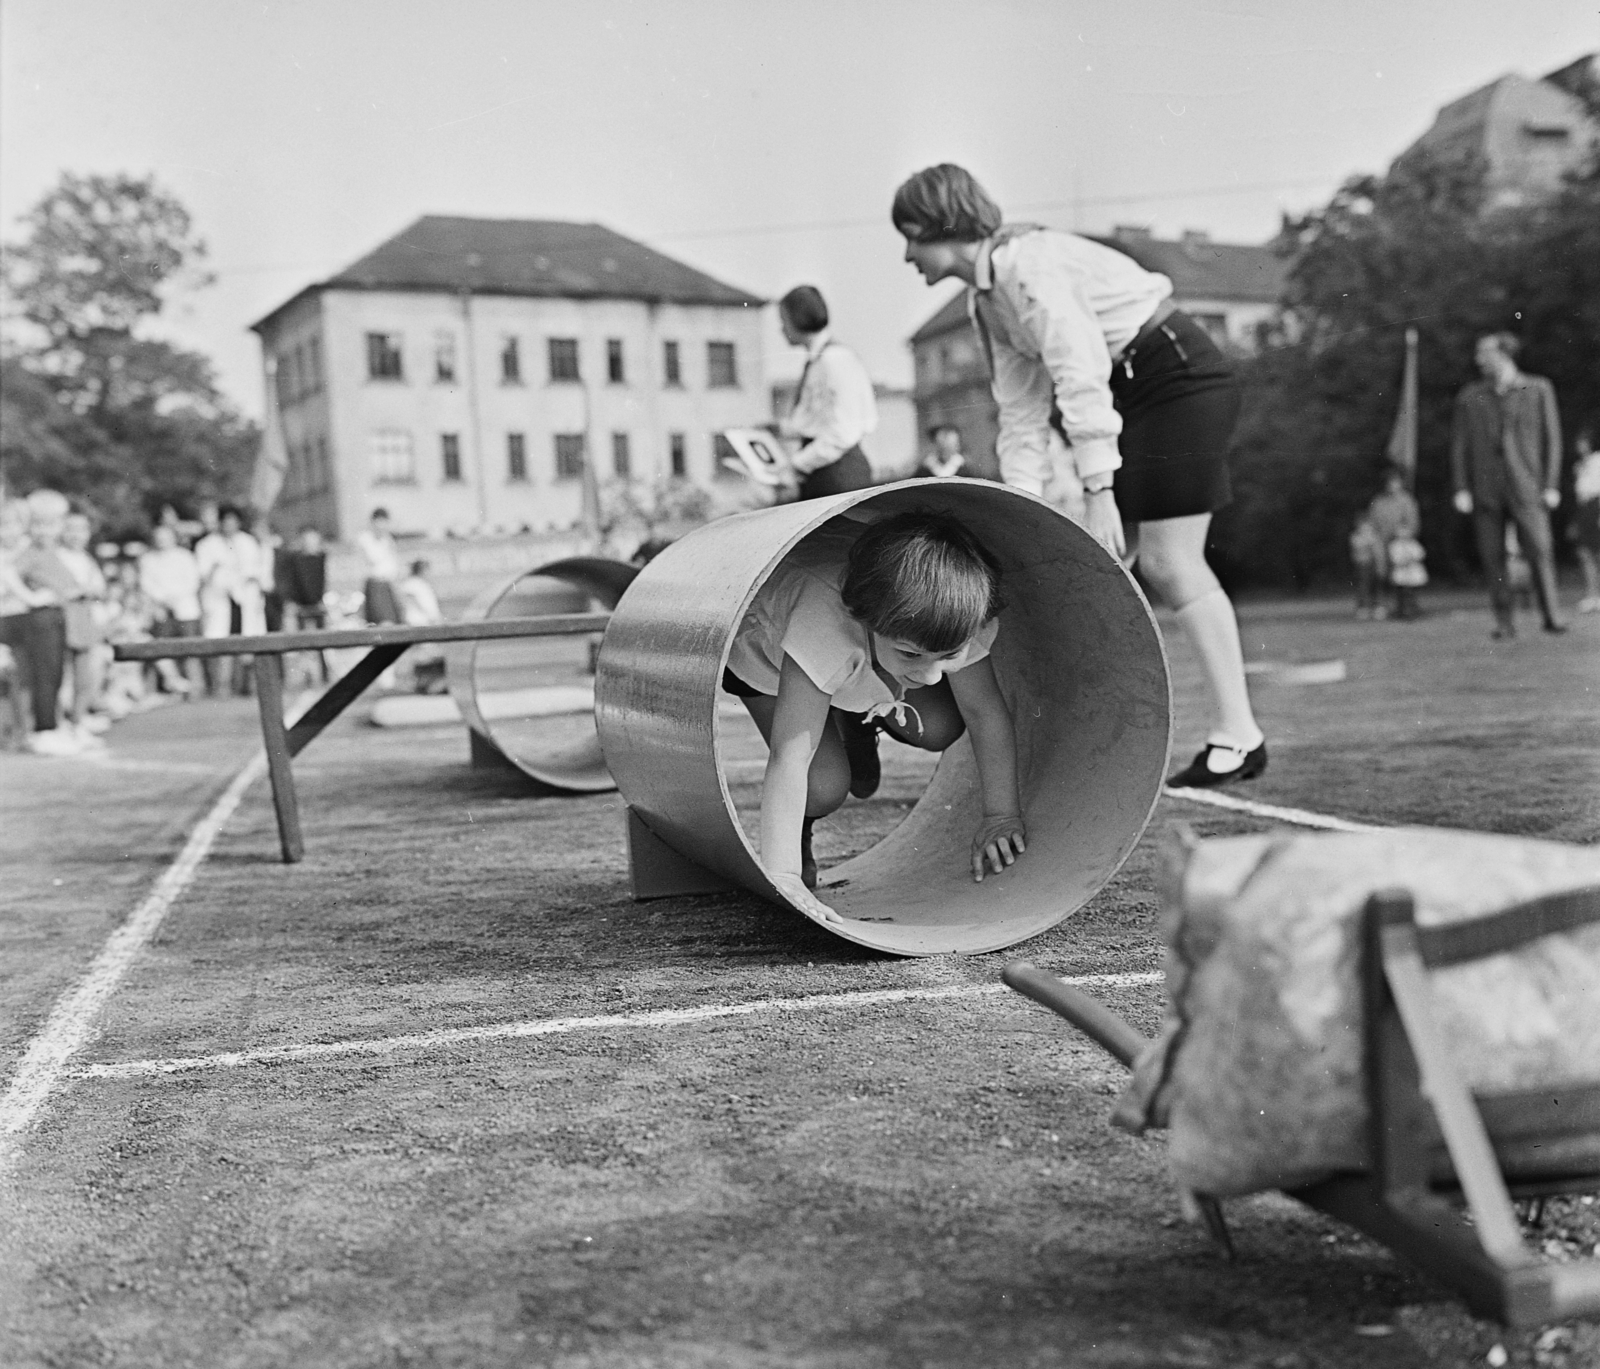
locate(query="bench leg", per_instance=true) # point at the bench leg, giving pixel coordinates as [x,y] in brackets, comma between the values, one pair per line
[269,695]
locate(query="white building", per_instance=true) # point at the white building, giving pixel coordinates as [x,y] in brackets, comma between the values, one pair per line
[461,375]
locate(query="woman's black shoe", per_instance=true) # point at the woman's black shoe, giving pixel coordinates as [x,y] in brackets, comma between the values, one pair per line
[861,749]
[1198,775]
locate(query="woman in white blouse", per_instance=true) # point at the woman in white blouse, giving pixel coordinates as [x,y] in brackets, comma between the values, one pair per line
[1080,338]
[232,573]
[834,407]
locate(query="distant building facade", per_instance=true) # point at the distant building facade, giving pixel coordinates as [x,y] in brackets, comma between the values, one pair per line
[463,373]
[1232,291]
[1526,135]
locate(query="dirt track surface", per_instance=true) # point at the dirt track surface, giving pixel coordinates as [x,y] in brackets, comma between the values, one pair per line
[929,1182]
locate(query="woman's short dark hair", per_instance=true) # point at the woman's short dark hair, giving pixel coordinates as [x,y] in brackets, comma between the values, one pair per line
[922,577]
[944,204]
[805,309]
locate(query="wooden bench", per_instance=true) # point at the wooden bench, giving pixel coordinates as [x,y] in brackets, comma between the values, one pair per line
[387,644]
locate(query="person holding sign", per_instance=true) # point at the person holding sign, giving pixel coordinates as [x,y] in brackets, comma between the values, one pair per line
[834,407]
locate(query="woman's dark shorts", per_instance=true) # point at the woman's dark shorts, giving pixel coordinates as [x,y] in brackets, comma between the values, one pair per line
[1179,407]
[852,471]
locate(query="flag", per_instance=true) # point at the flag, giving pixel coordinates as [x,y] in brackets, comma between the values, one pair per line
[272,457]
[1403,440]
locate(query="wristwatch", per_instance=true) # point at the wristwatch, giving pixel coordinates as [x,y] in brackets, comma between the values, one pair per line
[1097,489]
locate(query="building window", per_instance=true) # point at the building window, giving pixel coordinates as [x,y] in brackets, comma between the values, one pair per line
[671,364]
[444,356]
[510,362]
[725,463]
[383,357]
[569,456]
[281,380]
[314,363]
[564,358]
[393,461]
[516,457]
[722,370]
[322,473]
[614,369]
[450,455]
[621,456]
[678,451]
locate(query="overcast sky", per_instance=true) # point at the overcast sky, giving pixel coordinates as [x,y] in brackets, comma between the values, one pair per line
[759,141]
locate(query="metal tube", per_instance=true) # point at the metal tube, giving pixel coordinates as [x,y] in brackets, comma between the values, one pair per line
[1079,658]
[560,752]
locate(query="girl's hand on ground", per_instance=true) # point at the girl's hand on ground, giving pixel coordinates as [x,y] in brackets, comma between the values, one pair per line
[1103,520]
[793,888]
[999,841]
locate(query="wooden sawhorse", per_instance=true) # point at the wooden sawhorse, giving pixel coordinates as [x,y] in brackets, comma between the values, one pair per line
[386,644]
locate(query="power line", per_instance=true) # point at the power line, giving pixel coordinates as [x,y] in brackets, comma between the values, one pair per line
[829,225]
[1087,201]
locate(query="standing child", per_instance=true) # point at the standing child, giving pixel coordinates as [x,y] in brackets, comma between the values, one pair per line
[55,590]
[1367,557]
[86,618]
[1586,518]
[893,627]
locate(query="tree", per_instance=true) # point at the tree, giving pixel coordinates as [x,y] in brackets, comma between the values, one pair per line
[1414,248]
[119,419]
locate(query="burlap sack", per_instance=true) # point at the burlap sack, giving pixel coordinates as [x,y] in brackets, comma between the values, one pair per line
[1257,1069]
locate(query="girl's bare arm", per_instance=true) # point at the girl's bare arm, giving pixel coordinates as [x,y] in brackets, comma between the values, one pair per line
[1002,837]
[800,715]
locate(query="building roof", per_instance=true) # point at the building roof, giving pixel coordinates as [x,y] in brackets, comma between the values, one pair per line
[1527,133]
[1198,268]
[949,315]
[532,257]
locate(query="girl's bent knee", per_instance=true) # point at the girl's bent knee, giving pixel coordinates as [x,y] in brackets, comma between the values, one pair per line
[940,733]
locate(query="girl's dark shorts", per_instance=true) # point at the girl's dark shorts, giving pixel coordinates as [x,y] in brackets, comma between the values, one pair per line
[732,684]
[1178,410]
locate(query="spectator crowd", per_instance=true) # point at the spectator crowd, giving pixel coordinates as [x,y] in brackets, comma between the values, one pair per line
[66,601]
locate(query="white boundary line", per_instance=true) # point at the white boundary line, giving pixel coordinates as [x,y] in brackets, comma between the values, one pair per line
[563,1026]
[1299,816]
[72,1020]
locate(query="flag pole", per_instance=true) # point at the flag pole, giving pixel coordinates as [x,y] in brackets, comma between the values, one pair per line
[1403,439]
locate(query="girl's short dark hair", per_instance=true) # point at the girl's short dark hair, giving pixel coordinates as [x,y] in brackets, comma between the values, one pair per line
[805,309]
[944,204]
[922,577]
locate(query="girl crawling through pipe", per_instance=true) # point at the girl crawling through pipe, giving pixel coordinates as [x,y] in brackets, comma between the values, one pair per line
[887,629]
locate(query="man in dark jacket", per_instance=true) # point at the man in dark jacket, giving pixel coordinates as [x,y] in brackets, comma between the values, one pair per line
[1505,455]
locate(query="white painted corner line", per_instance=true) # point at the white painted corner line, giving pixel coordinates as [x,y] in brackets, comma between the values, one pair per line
[564,1026]
[1300,817]
[72,1020]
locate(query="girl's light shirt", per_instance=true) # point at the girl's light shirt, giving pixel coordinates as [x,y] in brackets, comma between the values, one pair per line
[85,570]
[1056,308]
[799,613]
[835,408]
[1586,479]
[171,579]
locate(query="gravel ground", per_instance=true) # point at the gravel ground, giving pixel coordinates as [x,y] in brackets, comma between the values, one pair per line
[929,1182]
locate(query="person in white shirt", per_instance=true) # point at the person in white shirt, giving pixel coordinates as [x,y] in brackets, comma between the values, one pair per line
[376,543]
[231,577]
[946,459]
[1080,338]
[834,406]
[169,579]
